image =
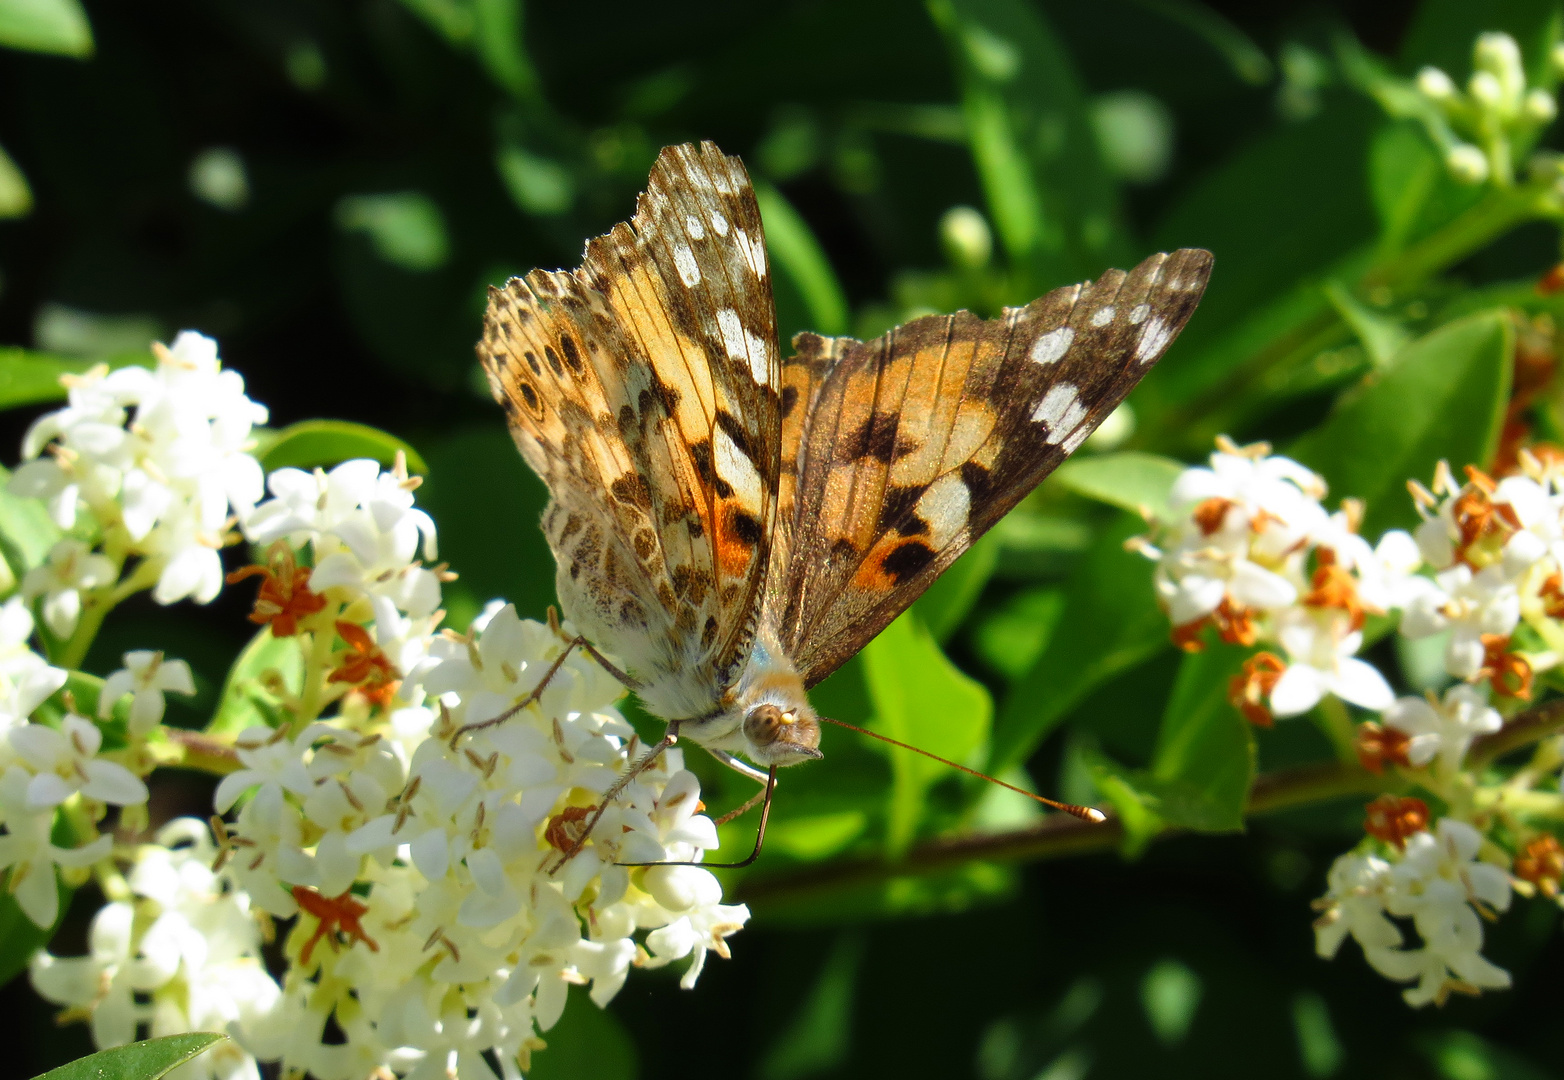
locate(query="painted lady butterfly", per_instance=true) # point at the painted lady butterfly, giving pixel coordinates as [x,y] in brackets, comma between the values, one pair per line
[734,526]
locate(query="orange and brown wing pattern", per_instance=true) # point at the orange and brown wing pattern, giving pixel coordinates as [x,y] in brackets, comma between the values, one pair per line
[803,374]
[920,440]
[673,367]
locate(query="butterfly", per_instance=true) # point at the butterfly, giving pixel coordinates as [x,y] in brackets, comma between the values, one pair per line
[733,526]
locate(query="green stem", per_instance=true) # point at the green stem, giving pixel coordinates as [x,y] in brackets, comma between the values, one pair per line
[1336,724]
[1496,214]
[317,665]
[1058,835]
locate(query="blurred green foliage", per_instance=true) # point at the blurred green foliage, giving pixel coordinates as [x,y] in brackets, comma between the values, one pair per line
[329,189]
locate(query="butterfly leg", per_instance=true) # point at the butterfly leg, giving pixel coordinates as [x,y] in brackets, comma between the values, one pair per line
[641,765]
[760,834]
[744,767]
[537,691]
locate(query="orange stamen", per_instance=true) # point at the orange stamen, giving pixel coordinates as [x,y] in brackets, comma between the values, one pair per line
[1541,862]
[1509,673]
[365,665]
[284,596]
[1378,746]
[1210,514]
[1249,689]
[1393,819]
[564,828]
[336,914]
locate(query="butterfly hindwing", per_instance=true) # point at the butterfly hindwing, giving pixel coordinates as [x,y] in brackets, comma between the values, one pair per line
[919,441]
[657,424]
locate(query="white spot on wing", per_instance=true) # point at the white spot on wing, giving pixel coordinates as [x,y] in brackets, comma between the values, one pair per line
[754,252]
[945,508]
[684,259]
[719,223]
[743,345]
[1077,437]
[1052,345]
[1061,412]
[1103,316]
[734,466]
[693,226]
[1138,314]
[1154,337]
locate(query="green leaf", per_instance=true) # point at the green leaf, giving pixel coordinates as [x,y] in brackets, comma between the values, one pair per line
[587,1041]
[406,228]
[451,19]
[47,26]
[1465,1055]
[16,198]
[1130,480]
[798,254]
[817,1039]
[1030,132]
[498,38]
[922,699]
[1381,337]
[247,700]
[488,503]
[20,937]
[1444,397]
[26,530]
[147,1060]
[330,442]
[1110,624]
[537,184]
[28,377]
[947,602]
[1204,762]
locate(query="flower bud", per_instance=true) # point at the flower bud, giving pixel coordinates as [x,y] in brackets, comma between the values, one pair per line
[1467,164]
[1498,55]
[1486,89]
[966,237]
[1541,107]
[1435,84]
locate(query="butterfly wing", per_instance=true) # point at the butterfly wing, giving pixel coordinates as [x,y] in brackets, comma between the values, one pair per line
[642,388]
[918,441]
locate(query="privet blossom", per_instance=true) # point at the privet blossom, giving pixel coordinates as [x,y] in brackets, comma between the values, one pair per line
[435,925]
[1252,557]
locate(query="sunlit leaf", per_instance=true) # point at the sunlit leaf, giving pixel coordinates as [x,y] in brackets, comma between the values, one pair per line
[1380,336]
[46,26]
[249,697]
[330,442]
[28,377]
[947,602]
[1204,761]
[16,197]
[26,530]
[796,252]
[406,228]
[921,699]
[1110,624]
[1130,480]
[147,1060]
[1030,131]
[1444,397]
[587,1041]
[498,37]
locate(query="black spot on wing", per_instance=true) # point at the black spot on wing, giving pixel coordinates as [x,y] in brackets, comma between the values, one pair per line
[896,512]
[905,560]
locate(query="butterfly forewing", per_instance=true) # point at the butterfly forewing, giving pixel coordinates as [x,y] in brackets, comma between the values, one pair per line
[918,441]
[643,389]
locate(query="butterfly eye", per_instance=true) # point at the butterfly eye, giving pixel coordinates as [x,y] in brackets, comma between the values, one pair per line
[763,724]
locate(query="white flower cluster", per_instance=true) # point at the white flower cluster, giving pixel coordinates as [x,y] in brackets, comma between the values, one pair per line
[432,852]
[180,952]
[1497,552]
[437,932]
[159,460]
[1475,128]
[1254,554]
[43,768]
[1440,884]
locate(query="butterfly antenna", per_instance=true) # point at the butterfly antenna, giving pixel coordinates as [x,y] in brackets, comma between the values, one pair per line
[1085,813]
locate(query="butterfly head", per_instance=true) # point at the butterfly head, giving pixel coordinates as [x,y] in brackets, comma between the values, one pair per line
[781,734]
